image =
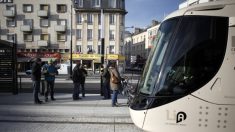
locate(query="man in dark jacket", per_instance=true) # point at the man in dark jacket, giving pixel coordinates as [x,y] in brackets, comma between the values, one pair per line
[36,78]
[83,79]
[106,84]
[76,77]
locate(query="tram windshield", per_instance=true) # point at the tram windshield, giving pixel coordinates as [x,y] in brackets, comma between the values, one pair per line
[188,53]
[156,56]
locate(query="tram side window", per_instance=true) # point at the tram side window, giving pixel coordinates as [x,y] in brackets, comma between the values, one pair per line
[197,53]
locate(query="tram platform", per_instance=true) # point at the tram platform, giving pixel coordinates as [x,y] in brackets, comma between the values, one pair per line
[90,114]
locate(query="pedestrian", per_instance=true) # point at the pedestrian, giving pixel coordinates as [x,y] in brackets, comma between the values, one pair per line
[83,79]
[106,82]
[77,78]
[36,78]
[50,71]
[115,83]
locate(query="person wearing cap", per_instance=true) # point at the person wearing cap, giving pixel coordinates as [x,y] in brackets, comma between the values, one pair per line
[50,71]
[36,78]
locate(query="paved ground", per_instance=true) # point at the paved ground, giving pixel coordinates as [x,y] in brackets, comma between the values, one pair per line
[91,114]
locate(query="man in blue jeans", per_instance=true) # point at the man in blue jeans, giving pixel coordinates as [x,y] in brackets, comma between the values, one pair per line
[50,71]
[36,78]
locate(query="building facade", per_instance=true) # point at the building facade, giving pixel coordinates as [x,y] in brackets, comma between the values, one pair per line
[48,29]
[90,16]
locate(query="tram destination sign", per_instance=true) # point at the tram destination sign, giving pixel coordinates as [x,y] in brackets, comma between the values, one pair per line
[6,1]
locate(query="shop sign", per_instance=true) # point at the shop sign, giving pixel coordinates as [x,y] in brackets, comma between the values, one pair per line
[6,1]
[39,55]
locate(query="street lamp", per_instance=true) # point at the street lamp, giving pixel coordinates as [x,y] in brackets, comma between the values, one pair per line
[71,42]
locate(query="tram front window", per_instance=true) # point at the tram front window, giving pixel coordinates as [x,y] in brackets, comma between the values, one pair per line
[155,60]
[197,53]
[187,55]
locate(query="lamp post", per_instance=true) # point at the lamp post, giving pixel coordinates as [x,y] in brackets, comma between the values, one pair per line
[71,42]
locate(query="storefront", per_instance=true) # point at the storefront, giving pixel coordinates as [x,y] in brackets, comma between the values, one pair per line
[93,61]
[25,59]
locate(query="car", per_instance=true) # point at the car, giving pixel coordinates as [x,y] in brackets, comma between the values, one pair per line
[28,72]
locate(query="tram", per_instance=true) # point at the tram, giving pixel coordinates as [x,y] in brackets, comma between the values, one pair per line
[188,83]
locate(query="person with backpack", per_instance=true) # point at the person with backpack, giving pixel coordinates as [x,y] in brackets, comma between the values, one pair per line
[115,83]
[50,71]
[77,79]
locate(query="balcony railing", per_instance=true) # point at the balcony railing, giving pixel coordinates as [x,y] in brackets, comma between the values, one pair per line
[42,43]
[9,13]
[60,28]
[43,13]
[26,28]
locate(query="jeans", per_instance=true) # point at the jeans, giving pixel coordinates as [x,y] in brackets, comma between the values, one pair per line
[36,88]
[76,89]
[114,97]
[50,88]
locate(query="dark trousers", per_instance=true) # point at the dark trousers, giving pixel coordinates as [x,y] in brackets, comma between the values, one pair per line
[36,88]
[50,88]
[83,89]
[106,88]
[76,89]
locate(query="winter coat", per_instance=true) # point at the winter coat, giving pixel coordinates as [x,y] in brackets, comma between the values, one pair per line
[51,71]
[36,72]
[114,71]
[84,74]
[106,75]
[77,74]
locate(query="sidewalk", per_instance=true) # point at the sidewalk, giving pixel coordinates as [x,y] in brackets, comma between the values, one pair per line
[18,113]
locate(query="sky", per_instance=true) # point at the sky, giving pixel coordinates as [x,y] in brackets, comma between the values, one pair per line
[142,12]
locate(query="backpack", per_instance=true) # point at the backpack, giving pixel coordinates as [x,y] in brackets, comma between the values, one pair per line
[114,79]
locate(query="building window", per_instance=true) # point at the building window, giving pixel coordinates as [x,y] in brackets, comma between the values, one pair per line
[10,7]
[79,48]
[89,18]
[95,3]
[11,23]
[89,34]
[89,49]
[111,19]
[111,49]
[27,8]
[99,19]
[79,3]
[44,7]
[61,22]
[112,3]
[99,34]
[79,34]
[61,37]
[11,37]
[28,22]
[44,22]
[61,8]
[28,37]
[79,18]
[44,37]
[111,34]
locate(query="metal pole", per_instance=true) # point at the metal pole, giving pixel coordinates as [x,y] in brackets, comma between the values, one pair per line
[71,44]
[102,50]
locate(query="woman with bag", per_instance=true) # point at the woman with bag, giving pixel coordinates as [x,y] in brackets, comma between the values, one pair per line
[115,83]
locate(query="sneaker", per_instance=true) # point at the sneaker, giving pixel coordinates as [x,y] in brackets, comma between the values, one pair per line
[38,102]
[46,99]
[53,99]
